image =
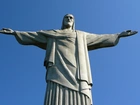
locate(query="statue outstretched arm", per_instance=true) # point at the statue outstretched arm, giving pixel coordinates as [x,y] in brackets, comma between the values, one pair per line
[27,38]
[95,41]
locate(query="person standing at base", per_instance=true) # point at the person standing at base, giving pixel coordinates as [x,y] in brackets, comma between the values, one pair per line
[68,74]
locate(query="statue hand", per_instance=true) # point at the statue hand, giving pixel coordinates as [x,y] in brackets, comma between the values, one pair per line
[127,33]
[7,31]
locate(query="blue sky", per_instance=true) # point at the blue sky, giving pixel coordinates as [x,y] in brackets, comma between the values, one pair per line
[115,70]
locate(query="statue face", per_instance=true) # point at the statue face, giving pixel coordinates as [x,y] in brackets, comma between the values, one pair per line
[68,21]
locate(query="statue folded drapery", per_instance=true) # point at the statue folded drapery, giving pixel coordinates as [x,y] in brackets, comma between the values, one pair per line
[67,52]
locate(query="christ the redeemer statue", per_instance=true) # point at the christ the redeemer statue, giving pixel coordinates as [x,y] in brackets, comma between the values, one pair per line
[68,74]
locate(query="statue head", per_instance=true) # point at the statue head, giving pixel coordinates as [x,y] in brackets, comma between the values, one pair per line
[68,22]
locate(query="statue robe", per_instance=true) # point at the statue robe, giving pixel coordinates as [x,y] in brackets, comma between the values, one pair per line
[67,60]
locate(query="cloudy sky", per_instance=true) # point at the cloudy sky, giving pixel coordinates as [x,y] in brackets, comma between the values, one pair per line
[115,70]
